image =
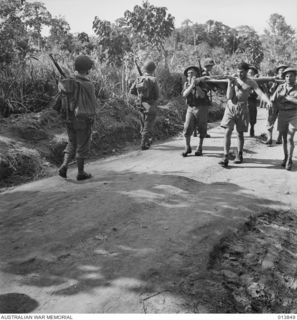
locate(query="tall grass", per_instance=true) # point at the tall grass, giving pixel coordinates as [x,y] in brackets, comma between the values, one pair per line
[25,86]
[29,85]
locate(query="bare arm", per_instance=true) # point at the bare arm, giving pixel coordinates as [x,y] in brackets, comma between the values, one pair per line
[230,89]
[260,93]
[263,96]
[188,89]
[291,99]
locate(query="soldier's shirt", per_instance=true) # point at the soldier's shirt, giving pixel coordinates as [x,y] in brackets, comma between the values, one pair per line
[282,91]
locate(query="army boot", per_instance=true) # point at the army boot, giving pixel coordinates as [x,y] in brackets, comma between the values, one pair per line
[82,175]
[284,162]
[63,169]
[239,158]
[289,164]
[225,161]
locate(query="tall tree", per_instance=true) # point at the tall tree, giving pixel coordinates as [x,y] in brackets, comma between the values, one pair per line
[13,34]
[36,16]
[153,25]
[220,35]
[278,39]
[187,32]
[249,44]
[59,30]
[113,41]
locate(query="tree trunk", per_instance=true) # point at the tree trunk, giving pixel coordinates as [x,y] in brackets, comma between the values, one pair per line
[165,54]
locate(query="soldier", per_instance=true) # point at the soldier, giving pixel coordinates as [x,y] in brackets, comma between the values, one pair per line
[80,105]
[252,101]
[147,90]
[273,112]
[285,100]
[208,65]
[236,112]
[197,111]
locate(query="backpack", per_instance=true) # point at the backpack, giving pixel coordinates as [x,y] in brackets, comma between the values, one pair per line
[85,103]
[76,97]
[144,87]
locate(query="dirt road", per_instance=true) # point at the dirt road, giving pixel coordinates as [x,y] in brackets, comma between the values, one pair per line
[125,241]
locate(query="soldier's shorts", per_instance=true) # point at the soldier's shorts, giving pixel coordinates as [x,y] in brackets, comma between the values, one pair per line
[236,114]
[79,137]
[287,120]
[271,117]
[196,117]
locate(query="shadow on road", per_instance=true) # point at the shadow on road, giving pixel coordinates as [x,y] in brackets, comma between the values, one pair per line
[142,233]
[17,303]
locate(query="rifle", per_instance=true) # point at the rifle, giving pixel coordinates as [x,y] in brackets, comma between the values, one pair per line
[200,68]
[57,66]
[63,75]
[139,100]
[138,68]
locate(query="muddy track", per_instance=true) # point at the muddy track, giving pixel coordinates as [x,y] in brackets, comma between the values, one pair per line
[153,232]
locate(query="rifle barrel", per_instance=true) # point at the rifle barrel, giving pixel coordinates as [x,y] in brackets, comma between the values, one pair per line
[57,66]
[138,68]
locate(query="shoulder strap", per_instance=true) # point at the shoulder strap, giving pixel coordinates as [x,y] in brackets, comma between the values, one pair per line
[290,90]
[77,93]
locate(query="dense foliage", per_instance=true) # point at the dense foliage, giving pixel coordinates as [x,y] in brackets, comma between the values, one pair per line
[145,32]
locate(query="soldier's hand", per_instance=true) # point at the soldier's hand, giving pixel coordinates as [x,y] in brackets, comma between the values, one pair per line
[269,104]
[201,79]
[193,82]
[61,87]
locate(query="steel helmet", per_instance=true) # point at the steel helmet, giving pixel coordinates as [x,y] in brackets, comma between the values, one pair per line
[289,70]
[281,66]
[208,62]
[191,67]
[149,66]
[83,63]
[254,68]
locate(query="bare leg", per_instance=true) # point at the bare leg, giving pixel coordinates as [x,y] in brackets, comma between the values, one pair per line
[227,143]
[289,163]
[189,127]
[240,141]
[291,135]
[188,148]
[285,148]
[227,140]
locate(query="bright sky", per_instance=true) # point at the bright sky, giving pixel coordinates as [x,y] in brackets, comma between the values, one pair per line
[255,13]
